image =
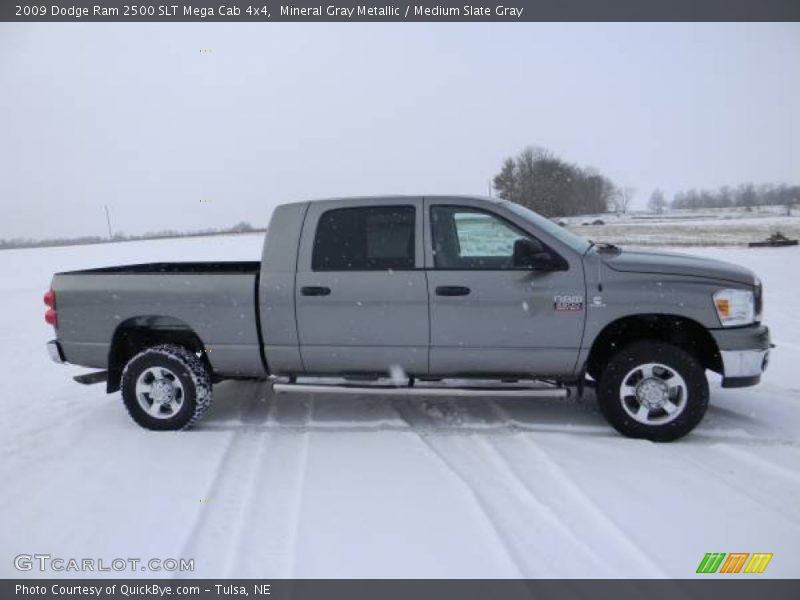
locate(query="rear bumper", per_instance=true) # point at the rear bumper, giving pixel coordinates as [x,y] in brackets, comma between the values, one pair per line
[745,354]
[55,352]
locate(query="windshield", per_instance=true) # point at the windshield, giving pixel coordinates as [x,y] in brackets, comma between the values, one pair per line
[562,234]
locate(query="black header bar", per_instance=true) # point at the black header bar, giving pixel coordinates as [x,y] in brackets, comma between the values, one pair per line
[394,11]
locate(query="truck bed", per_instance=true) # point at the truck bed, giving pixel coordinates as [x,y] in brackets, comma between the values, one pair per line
[215,300]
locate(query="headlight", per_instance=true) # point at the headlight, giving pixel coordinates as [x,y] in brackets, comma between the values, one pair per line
[735,307]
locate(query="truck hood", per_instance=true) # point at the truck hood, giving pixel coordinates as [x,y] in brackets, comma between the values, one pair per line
[674,263]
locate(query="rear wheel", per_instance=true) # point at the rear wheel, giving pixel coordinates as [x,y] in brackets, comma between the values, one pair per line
[166,387]
[653,390]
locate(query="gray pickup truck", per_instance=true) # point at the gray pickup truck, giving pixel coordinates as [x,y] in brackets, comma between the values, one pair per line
[444,291]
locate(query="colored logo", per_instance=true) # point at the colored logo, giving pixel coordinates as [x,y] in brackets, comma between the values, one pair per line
[735,562]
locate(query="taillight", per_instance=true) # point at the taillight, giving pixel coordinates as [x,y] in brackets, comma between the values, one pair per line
[50,300]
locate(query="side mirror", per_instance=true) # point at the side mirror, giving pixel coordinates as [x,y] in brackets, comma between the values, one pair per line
[531,255]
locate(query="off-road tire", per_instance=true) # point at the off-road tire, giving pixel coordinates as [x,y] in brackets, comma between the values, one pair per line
[628,358]
[193,375]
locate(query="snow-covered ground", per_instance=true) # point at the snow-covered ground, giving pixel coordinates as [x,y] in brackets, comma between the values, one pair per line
[309,486]
[702,227]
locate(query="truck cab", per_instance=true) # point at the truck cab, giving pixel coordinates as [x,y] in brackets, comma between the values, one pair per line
[435,286]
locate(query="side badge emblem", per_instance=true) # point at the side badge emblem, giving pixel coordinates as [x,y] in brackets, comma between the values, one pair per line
[597,302]
[568,303]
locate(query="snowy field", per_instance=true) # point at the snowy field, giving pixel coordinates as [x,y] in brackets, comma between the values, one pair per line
[701,227]
[310,486]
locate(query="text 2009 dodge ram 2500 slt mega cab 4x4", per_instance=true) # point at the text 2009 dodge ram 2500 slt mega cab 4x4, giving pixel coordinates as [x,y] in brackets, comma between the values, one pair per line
[436,288]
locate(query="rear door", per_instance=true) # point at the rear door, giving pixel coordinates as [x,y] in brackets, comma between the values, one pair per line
[361,292]
[487,315]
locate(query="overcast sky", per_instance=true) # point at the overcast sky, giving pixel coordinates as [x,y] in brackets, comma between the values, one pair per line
[188,126]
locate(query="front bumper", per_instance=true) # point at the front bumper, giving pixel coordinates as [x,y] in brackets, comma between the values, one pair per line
[55,352]
[744,352]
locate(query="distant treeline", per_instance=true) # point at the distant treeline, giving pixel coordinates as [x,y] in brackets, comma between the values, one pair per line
[543,182]
[121,237]
[746,195]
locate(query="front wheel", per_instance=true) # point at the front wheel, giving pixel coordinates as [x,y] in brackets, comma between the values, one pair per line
[653,390]
[166,387]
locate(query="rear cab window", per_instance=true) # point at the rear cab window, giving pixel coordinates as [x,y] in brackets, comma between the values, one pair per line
[368,238]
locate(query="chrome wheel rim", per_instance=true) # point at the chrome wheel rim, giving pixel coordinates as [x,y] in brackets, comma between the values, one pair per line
[159,392]
[653,394]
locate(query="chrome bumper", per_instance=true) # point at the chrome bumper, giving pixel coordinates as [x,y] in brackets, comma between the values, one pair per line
[744,353]
[744,363]
[743,368]
[54,350]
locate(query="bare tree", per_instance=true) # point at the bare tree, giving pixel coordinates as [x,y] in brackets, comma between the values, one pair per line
[506,182]
[657,202]
[623,199]
[594,192]
[746,196]
[538,179]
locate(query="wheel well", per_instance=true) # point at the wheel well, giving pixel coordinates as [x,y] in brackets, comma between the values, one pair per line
[685,333]
[134,335]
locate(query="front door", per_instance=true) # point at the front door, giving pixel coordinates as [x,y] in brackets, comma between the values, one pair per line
[489,316]
[361,293]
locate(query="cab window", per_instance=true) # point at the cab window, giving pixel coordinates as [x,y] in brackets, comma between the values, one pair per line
[370,238]
[465,238]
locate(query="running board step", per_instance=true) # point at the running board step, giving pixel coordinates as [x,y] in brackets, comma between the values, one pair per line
[91,378]
[421,390]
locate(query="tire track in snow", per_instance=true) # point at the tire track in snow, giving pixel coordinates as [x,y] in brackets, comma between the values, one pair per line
[722,423]
[596,524]
[716,467]
[761,463]
[749,422]
[505,498]
[251,495]
[477,497]
[546,509]
[296,499]
[209,540]
[266,541]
